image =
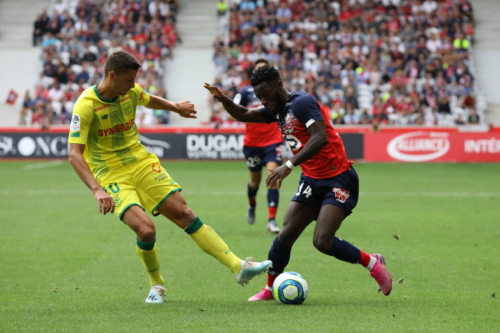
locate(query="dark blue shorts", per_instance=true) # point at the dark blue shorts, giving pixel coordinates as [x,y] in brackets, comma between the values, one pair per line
[341,190]
[257,157]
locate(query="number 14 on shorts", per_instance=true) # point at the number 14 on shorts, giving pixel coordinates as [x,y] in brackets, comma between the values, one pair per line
[307,192]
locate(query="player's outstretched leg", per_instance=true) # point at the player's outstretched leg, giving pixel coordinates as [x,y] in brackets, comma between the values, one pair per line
[156,294]
[329,221]
[208,240]
[345,251]
[175,209]
[379,272]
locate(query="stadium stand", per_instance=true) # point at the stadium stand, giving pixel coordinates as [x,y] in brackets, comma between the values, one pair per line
[76,38]
[395,62]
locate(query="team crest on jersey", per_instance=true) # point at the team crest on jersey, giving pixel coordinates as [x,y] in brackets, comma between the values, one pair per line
[127,108]
[341,194]
[288,126]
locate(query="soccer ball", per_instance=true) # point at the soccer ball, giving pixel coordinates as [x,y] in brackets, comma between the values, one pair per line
[290,288]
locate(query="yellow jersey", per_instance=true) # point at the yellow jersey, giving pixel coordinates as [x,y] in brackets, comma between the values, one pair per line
[108,129]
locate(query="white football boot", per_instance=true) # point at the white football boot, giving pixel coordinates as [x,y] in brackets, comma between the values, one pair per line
[272,227]
[156,294]
[250,269]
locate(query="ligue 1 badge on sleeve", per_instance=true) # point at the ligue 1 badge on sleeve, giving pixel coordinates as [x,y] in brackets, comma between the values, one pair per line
[75,123]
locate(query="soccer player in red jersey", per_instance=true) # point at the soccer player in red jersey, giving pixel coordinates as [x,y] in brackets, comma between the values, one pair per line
[262,148]
[328,188]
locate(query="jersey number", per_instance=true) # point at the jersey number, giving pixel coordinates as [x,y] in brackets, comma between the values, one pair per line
[307,192]
[293,142]
[253,161]
[113,188]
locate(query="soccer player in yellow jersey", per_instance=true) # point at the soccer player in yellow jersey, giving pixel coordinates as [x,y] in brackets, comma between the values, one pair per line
[126,180]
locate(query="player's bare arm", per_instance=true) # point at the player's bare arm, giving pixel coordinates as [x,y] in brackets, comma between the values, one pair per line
[315,143]
[238,112]
[104,200]
[184,109]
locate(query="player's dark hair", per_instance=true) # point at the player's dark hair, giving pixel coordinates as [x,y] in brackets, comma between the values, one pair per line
[264,74]
[261,61]
[120,62]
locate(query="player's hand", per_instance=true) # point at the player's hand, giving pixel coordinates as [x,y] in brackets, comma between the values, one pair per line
[277,175]
[216,93]
[105,202]
[186,109]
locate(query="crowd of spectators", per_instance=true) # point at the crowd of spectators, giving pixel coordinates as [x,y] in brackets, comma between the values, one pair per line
[76,37]
[399,62]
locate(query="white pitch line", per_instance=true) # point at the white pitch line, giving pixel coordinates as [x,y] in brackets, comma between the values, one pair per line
[41,165]
[430,194]
[242,193]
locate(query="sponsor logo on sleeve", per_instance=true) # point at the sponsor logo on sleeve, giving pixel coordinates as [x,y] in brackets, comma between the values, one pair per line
[75,123]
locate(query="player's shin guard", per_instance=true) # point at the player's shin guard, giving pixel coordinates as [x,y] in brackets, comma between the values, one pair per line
[148,252]
[273,198]
[208,240]
[279,254]
[345,251]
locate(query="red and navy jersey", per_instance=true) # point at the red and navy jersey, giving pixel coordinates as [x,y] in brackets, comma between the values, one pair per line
[256,134]
[301,111]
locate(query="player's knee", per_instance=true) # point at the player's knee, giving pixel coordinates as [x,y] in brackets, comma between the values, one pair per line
[184,216]
[147,233]
[253,184]
[322,244]
[287,236]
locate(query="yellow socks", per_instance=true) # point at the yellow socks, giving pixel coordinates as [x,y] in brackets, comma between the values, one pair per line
[208,240]
[148,252]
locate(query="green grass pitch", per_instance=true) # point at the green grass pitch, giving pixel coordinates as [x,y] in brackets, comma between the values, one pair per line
[65,268]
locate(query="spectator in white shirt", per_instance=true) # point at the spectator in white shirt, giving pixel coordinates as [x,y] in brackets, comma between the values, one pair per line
[55,93]
[157,5]
[429,6]
[60,7]
[434,44]
[81,25]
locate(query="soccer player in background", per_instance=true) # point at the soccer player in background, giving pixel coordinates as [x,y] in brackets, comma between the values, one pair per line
[262,148]
[328,187]
[126,179]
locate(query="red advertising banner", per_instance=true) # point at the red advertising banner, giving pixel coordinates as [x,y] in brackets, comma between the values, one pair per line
[432,146]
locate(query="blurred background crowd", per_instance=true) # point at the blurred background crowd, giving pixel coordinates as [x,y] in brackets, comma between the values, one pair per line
[397,62]
[76,36]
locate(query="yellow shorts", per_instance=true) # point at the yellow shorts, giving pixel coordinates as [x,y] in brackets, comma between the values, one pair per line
[144,183]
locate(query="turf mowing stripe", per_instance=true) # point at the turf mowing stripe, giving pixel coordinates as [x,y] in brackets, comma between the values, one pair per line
[41,165]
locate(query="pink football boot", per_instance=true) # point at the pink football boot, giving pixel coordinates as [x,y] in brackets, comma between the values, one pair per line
[263,295]
[381,275]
